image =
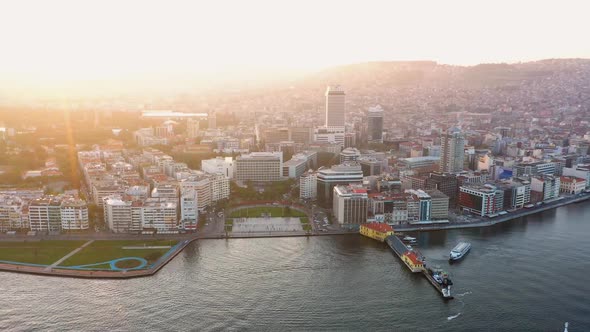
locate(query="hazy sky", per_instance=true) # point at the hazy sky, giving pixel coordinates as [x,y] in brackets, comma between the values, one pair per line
[45,41]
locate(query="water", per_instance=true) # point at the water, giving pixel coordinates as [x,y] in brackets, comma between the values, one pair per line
[526,275]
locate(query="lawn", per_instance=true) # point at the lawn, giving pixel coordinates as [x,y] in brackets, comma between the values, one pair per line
[305,224]
[104,251]
[37,252]
[274,211]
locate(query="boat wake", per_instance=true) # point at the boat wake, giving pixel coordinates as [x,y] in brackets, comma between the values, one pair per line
[454,316]
[449,318]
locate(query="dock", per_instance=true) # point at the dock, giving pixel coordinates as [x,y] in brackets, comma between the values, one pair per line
[416,264]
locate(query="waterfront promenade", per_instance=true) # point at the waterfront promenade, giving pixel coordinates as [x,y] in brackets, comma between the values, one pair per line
[485,221]
[186,239]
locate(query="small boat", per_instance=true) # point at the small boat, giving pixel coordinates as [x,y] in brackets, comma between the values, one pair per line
[459,251]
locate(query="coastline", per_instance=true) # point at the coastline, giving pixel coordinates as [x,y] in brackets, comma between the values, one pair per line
[497,220]
[188,239]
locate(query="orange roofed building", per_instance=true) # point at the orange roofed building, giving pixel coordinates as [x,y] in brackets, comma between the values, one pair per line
[376,231]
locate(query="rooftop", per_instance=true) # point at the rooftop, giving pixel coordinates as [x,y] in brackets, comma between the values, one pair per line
[379,227]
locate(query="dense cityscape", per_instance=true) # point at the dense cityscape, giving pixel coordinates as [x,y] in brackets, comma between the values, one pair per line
[400,154]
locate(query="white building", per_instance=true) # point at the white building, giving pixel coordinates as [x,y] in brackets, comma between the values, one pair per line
[189,211]
[298,164]
[159,216]
[329,135]
[13,214]
[219,165]
[308,183]
[219,187]
[45,215]
[259,166]
[74,215]
[478,199]
[166,190]
[350,205]
[545,187]
[349,155]
[197,186]
[118,216]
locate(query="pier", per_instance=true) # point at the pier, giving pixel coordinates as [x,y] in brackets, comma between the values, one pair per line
[415,261]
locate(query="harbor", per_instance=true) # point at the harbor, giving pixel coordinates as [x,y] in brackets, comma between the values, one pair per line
[410,256]
[323,266]
[416,263]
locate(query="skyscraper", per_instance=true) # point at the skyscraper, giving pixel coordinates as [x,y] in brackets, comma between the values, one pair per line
[335,106]
[452,151]
[375,124]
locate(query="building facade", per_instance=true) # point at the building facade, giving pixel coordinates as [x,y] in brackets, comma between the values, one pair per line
[375,124]
[452,151]
[328,178]
[335,109]
[350,205]
[259,167]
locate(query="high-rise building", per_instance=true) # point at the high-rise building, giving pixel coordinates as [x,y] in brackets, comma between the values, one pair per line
[452,151]
[375,124]
[335,106]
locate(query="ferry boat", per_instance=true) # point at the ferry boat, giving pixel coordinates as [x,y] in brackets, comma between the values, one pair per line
[409,239]
[459,251]
[440,279]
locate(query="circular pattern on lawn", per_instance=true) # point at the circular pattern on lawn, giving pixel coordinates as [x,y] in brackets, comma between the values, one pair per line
[141,263]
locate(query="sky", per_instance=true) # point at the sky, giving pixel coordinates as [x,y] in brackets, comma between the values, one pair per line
[44,42]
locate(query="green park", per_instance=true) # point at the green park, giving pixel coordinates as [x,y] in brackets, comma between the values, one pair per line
[97,255]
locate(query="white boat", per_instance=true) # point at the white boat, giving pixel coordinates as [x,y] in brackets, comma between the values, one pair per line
[459,251]
[409,238]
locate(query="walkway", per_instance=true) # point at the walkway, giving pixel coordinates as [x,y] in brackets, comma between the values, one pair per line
[75,251]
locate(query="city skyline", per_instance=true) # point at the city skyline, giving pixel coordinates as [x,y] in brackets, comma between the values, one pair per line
[63,43]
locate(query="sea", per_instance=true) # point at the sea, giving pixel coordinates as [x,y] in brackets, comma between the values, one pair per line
[529,274]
